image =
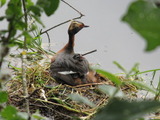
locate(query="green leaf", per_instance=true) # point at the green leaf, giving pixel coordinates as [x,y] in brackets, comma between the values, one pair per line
[111,91]
[38,116]
[125,110]
[36,10]
[22,115]
[143,17]
[2,32]
[110,76]
[157,96]
[134,69]
[146,72]
[29,38]
[29,3]
[38,20]
[9,112]
[15,68]
[120,67]
[14,42]
[49,6]
[158,86]
[4,96]
[14,8]
[13,33]
[2,2]
[142,85]
[20,25]
[79,98]
[2,18]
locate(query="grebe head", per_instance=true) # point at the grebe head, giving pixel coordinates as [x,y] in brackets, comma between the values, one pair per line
[75,27]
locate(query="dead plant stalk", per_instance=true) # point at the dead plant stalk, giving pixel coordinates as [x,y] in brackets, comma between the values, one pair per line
[24,80]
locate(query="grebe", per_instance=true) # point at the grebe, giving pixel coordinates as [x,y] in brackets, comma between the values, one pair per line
[67,66]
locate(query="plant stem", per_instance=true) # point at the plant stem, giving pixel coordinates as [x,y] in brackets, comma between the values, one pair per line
[72,7]
[26,21]
[81,15]
[145,72]
[24,80]
[49,40]
[54,27]
[64,106]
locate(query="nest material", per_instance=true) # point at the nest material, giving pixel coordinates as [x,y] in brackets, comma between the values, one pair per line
[51,98]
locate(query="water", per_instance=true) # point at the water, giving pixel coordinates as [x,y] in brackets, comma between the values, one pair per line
[113,39]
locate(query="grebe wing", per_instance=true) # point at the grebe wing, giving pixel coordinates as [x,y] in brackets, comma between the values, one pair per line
[65,62]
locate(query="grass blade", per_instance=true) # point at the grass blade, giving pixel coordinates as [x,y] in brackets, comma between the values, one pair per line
[110,76]
[120,67]
[144,86]
[81,99]
[145,72]
[111,91]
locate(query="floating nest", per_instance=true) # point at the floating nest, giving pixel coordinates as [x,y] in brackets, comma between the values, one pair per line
[52,99]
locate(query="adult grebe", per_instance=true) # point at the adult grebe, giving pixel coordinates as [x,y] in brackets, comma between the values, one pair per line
[67,66]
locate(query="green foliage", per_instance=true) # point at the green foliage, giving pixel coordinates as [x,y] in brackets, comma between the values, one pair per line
[110,76]
[4,96]
[157,96]
[134,72]
[14,9]
[134,69]
[13,15]
[125,110]
[10,113]
[37,116]
[143,16]
[120,66]
[143,86]
[111,91]
[147,71]
[28,37]
[14,34]
[49,6]
[16,24]
[35,9]
[2,2]
[81,99]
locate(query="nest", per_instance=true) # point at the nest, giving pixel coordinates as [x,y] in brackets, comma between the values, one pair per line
[51,98]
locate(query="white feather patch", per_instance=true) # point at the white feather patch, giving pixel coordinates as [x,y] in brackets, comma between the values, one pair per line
[66,72]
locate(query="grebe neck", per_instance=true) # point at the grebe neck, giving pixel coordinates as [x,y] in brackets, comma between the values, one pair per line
[70,44]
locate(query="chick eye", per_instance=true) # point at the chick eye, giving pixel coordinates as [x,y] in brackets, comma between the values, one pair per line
[76,56]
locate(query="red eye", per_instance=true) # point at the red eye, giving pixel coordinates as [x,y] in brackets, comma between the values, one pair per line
[81,25]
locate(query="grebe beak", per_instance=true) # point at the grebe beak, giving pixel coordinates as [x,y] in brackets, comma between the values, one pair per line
[85,26]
